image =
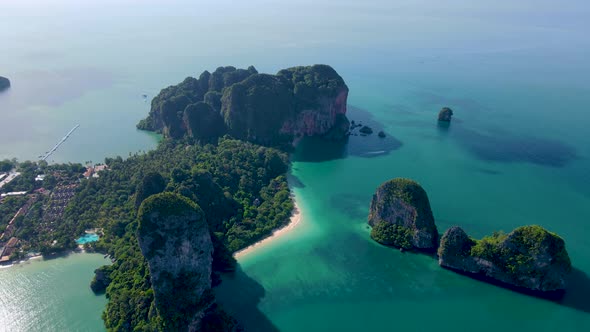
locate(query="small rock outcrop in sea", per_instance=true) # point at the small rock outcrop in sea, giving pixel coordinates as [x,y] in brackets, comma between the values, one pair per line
[400,215]
[381,134]
[174,238]
[262,108]
[366,130]
[445,114]
[4,83]
[354,125]
[529,257]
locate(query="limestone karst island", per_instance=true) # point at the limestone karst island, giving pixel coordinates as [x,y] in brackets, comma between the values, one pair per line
[288,166]
[530,257]
[261,108]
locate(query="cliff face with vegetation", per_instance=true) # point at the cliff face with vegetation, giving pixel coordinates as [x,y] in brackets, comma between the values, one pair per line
[319,99]
[4,83]
[529,257]
[174,238]
[400,215]
[261,108]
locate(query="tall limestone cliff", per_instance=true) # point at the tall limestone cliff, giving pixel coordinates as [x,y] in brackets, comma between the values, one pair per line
[4,83]
[262,108]
[174,238]
[320,102]
[529,257]
[400,215]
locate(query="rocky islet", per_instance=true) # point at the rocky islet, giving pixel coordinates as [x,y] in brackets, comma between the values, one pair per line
[445,114]
[401,216]
[529,257]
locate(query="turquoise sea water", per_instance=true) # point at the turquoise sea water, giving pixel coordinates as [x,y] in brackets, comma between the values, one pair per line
[51,295]
[516,153]
[87,238]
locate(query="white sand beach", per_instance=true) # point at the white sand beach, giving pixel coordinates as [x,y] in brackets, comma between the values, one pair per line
[295,220]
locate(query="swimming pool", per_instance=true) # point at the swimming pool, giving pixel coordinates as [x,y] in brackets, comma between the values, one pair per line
[87,238]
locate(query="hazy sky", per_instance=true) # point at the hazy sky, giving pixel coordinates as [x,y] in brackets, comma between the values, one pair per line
[206,28]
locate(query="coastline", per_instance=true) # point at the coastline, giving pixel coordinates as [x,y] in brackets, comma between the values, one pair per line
[24,260]
[78,250]
[293,222]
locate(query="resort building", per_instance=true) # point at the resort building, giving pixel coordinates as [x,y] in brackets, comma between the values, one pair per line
[92,171]
[8,250]
[14,193]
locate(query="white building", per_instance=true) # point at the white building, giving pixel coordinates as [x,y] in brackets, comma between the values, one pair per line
[14,193]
